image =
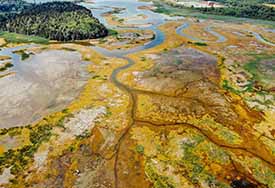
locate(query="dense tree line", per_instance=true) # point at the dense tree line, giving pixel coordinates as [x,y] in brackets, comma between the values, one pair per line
[248,9]
[245,1]
[62,21]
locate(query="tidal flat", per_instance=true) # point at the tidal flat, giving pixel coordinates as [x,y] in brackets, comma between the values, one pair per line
[44,83]
[163,102]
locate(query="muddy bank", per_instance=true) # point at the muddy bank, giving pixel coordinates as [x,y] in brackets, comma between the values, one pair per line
[46,82]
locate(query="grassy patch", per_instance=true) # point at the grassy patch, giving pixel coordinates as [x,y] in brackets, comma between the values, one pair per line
[18,159]
[112,32]
[189,12]
[158,180]
[252,66]
[226,85]
[3,58]
[200,43]
[6,66]
[265,39]
[258,76]
[68,49]
[197,43]
[23,54]
[140,149]
[18,38]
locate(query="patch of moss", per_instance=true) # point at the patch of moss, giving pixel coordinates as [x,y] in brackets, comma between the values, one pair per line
[260,172]
[221,131]
[23,54]
[253,66]
[228,87]
[193,148]
[200,43]
[68,49]
[159,181]
[6,66]
[140,149]
[112,32]
[18,38]
[18,159]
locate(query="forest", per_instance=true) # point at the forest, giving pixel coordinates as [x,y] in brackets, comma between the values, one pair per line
[62,21]
[255,9]
[245,1]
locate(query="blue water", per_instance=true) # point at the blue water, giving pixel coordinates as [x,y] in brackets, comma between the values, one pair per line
[130,10]
[15,58]
[159,38]
[220,37]
[260,38]
[180,31]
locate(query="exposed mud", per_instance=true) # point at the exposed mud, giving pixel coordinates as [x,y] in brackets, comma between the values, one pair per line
[46,82]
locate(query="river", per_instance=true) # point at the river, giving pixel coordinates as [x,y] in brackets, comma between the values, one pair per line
[25,72]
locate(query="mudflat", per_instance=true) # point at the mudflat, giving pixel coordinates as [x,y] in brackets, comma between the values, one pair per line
[46,82]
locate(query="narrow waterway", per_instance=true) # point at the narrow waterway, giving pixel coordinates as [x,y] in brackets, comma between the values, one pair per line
[209,29]
[260,38]
[130,10]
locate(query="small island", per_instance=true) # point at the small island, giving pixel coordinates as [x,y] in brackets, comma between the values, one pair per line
[61,21]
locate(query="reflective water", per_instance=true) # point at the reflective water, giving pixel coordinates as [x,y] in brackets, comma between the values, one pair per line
[260,38]
[29,87]
[220,38]
[15,58]
[130,10]
[44,83]
[180,31]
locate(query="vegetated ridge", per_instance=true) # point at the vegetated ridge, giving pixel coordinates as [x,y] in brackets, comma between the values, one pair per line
[62,21]
[244,8]
[255,9]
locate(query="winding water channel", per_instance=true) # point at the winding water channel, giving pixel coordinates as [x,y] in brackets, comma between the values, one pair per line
[260,38]
[154,20]
[131,9]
